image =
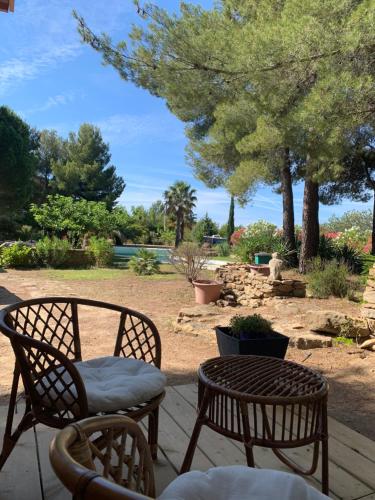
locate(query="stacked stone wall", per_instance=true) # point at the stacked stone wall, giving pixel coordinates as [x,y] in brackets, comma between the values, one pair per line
[246,287]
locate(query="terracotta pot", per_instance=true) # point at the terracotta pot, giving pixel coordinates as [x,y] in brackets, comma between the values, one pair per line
[263,269]
[207,291]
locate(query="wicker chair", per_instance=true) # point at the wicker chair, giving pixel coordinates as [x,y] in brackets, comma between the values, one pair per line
[44,334]
[121,469]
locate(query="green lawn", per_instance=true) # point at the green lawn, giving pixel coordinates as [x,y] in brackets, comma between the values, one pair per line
[229,258]
[94,274]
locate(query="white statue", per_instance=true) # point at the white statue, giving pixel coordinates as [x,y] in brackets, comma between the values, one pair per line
[276,265]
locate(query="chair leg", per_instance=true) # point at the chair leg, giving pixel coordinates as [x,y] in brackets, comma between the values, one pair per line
[153,430]
[38,462]
[10,440]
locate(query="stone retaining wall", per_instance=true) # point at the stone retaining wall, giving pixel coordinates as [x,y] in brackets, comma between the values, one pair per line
[245,287]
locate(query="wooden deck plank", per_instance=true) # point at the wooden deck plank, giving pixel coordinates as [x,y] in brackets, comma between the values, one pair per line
[352,456]
[343,482]
[264,457]
[361,444]
[219,449]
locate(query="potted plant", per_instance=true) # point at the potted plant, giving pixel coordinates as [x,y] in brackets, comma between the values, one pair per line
[251,335]
[189,259]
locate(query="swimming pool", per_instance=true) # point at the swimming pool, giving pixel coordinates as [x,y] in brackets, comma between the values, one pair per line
[124,253]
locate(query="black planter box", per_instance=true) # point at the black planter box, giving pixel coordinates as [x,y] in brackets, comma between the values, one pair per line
[274,344]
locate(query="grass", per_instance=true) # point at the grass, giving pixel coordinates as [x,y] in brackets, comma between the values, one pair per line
[229,258]
[343,340]
[101,274]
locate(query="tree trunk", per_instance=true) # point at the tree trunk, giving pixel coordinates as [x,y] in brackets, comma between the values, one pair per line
[310,224]
[179,229]
[373,228]
[288,207]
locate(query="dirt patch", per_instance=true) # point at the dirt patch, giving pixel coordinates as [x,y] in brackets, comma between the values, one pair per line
[350,371]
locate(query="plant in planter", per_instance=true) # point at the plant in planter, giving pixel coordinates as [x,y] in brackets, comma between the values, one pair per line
[251,335]
[189,259]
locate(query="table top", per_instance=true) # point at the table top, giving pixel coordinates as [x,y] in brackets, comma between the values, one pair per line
[260,378]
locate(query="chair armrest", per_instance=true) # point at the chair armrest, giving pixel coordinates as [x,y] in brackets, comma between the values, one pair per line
[51,381]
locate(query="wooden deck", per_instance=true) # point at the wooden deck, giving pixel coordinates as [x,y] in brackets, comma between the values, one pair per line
[352,456]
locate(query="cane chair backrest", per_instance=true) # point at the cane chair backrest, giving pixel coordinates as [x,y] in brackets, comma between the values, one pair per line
[45,337]
[104,457]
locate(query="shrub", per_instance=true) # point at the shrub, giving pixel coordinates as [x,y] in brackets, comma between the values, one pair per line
[52,252]
[236,236]
[353,238]
[328,278]
[18,255]
[204,227]
[367,261]
[188,259]
[144,262]
[260,237]
[102,251]
[223,249]
[254,324]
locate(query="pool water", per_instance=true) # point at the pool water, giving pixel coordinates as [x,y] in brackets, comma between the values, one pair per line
[123,254]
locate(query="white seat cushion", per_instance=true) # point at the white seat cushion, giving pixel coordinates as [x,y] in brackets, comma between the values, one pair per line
[113,383]
[240,483]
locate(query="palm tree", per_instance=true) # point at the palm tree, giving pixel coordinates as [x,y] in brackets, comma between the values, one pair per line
[179,202]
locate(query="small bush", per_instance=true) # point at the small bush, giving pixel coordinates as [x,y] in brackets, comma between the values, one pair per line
[328,278]
[52,252]
[367,262]
[18,255]
[144,263]
[102,251]
[188,259]
[254,324]
[343,341]
[223,249]
[260,237]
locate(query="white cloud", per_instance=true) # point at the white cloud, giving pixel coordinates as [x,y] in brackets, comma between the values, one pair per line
[46,35]
[125,129]
[53,101]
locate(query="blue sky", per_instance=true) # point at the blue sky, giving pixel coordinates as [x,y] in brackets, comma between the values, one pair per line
[53,81]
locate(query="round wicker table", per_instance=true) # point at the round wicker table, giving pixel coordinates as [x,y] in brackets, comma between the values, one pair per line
[263,401]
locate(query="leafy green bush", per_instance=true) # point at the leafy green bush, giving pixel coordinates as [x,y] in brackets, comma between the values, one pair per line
[223,249]
[337,249]
[52,252]
[260,237]
[367,261]
[18,255]
[144,262]
[102,251]
[254,324]
[328,278]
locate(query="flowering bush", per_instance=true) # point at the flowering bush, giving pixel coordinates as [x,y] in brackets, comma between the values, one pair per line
[352,238]
[235,238]
[261,236]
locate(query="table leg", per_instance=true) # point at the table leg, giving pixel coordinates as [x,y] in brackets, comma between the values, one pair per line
[247,440]
[201,419]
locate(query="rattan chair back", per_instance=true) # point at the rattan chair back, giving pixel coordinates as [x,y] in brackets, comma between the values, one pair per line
[45,337]
[121,468]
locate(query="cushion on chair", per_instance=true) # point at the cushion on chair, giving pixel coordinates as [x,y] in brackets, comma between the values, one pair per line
[112,383]
[240,483]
